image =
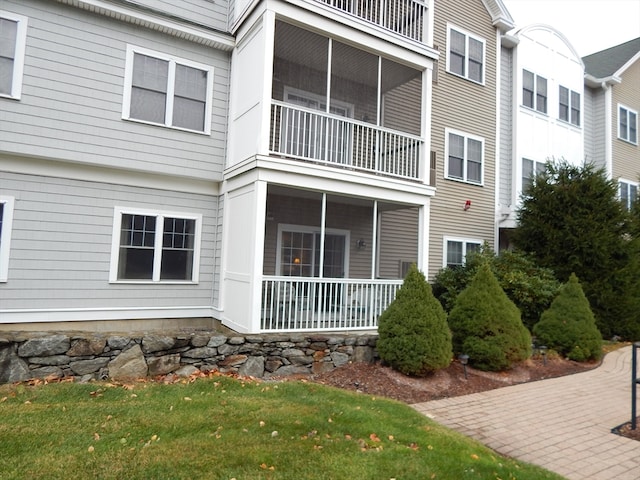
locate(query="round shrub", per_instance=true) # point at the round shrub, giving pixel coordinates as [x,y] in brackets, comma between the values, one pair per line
[569,326]
[486,325]
[413,334]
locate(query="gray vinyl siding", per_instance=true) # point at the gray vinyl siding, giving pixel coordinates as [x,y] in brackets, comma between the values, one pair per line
[506,128]
[211,13]
[71,105]
[594,126]
[398,241]
[61,245]
[464,106]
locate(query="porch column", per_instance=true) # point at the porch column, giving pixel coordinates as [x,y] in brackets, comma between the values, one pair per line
[374,239]
[423,237]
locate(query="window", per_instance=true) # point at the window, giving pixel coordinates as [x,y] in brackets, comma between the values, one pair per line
[627,124]
[530,169]
[299,252]
[464,157]
[13,37]
[6,220]
[569,106]
[534,91]
[465,55]
[155,246]
[163,90]
[457,249]
[628,193]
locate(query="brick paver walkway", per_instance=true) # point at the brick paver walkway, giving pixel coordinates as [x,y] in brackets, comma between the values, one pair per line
[562,424]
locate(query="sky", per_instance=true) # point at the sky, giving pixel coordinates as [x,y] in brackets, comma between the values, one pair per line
[589,25]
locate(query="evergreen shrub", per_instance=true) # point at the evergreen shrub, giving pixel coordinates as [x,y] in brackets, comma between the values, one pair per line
[486,325]
[413,334]
[569,326]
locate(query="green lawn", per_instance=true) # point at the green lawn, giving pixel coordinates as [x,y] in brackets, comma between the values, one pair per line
[224,428]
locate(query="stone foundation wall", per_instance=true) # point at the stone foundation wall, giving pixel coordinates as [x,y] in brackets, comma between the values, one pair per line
[90,356]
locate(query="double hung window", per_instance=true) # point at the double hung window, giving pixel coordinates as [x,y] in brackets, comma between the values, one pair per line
[464,157]
[465,55]
[534,91]
[530,169]
[457,249]
[13,36]
[164,90]
[155,246]
[628,193]
[6,220]
[627,124]
[569,106]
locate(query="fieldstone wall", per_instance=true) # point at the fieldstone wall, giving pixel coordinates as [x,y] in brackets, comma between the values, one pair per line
[88,356]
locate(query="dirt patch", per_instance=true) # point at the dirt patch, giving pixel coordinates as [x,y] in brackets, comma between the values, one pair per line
[377,379]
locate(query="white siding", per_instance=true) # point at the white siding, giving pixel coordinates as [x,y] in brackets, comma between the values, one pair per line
[72,95]
[61,245]
[211,13]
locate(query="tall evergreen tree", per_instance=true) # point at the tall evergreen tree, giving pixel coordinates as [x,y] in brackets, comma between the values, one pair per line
[413,334]
[570,220]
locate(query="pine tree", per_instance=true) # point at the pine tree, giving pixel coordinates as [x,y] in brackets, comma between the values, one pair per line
[413,334]
[486,325]
[568,326]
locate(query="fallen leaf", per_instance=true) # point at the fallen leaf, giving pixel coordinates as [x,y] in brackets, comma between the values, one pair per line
[90,449]
[391,437]
[262,424]
[374,437]
[474,456]
[96,436]
[187,399]
[274,433]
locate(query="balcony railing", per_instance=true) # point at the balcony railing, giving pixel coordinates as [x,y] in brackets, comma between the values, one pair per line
[315,304]
[404,17]
[339,141]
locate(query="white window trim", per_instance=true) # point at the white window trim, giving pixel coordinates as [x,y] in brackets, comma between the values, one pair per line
[314,230]
[115,245]
[534,108]
[628,183]
[128,80]
[5,240]
[466,136]
[18,62]
[467,35]
[464,240]
[536,165]
[629,110]
[570,105]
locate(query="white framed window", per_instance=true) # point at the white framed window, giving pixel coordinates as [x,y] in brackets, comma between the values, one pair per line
[153,246]
[298,253]
[627,124]
[465,54]
[457,249]
[464,157]
[569,106]
[530,169]
[165,90]
[534,91]
[13,39]
[628,192]
[6,222]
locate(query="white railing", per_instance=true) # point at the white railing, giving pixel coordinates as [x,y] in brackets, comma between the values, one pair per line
[404,17]
[314,304]
[339,141]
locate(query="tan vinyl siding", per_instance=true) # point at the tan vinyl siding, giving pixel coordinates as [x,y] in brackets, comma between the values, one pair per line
[626,156]
[61,245]
[470,108]
[211,13]
[71,105]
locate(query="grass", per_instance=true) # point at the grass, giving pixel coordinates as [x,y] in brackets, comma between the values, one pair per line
[225,428]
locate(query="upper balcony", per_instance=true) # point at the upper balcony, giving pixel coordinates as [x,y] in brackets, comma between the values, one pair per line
[340,106]
[407,18]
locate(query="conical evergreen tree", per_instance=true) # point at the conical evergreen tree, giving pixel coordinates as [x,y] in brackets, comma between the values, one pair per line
[486,325]
[413,334]
[568,326]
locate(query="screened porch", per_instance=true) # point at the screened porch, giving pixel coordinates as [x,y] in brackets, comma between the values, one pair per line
[332,262]
[336,105]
